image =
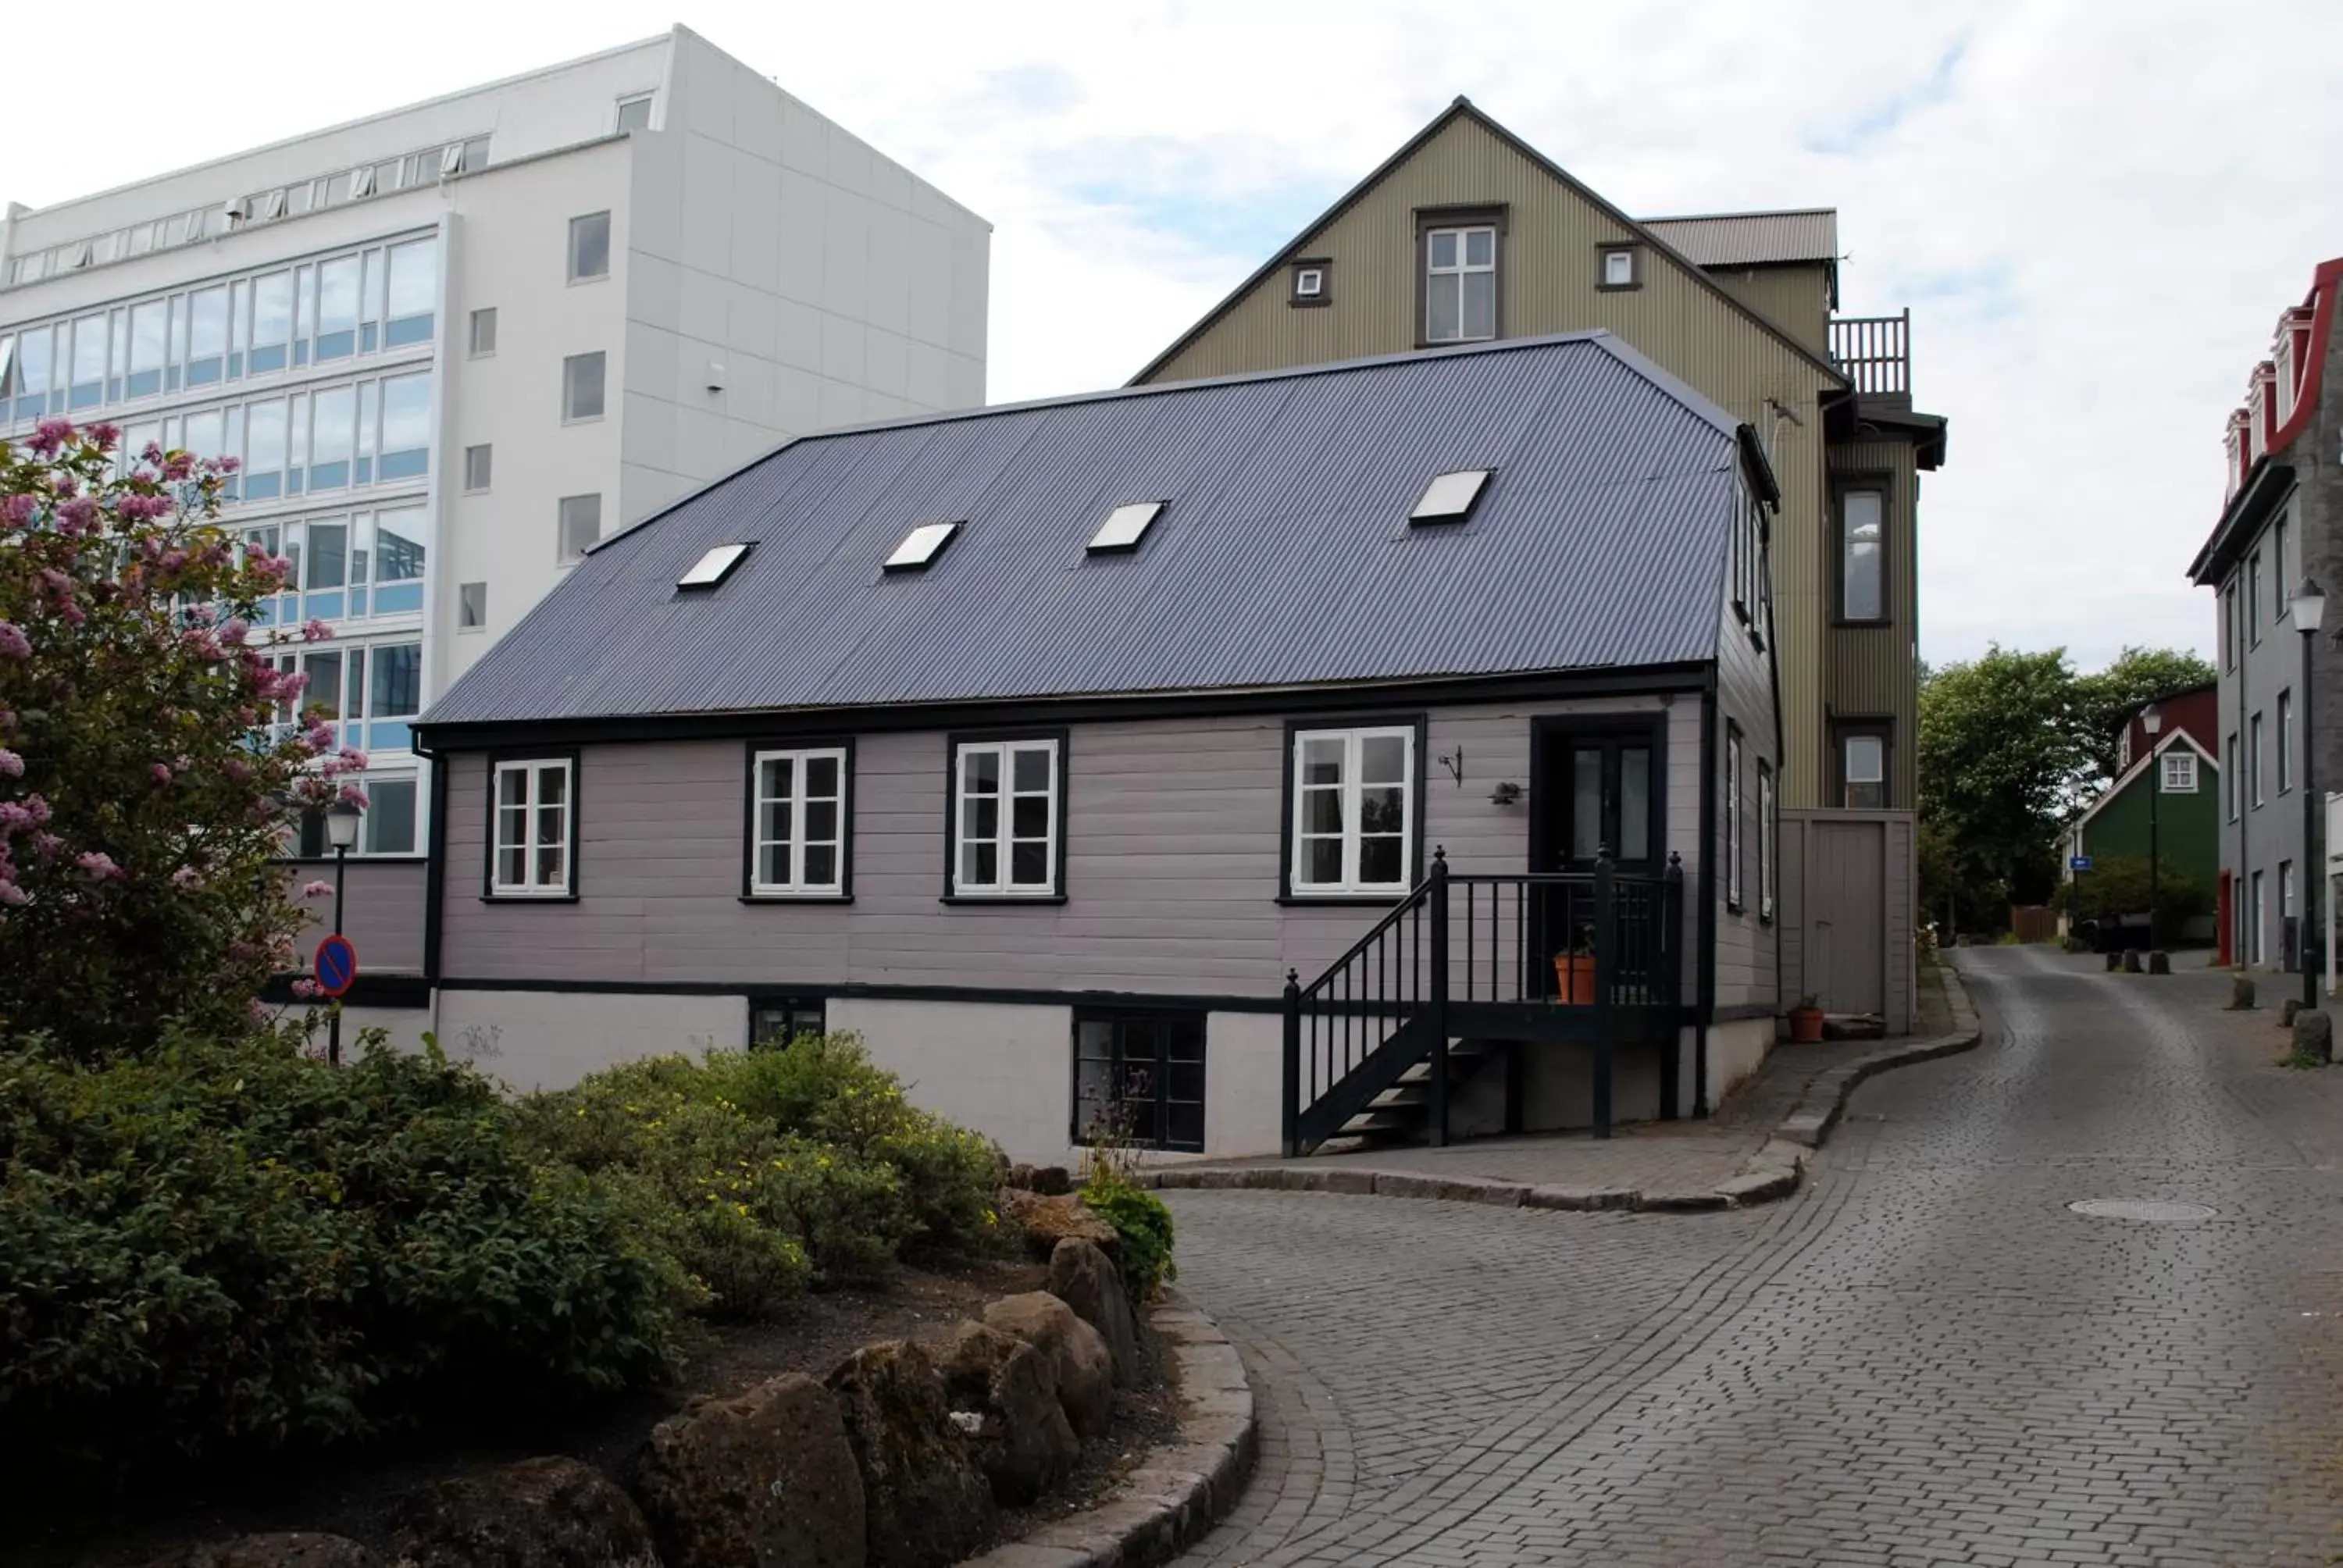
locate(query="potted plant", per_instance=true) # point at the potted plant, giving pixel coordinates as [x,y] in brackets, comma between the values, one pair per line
[1806,1022]
[1574,971]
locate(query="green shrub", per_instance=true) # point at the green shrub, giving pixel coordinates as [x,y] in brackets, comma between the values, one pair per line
[228,1244]
[1142,1221]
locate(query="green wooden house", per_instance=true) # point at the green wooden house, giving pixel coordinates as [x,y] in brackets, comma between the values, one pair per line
[2166,803]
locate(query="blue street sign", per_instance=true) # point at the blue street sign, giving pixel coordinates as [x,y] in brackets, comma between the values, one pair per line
[337,965]
[2080,863]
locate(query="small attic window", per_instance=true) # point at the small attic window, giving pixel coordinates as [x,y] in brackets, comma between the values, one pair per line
[1450,498]
[1313,281]
[920,546]
[715,566]
[1124,527]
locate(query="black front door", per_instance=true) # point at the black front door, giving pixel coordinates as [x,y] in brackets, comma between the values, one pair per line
[1597,789]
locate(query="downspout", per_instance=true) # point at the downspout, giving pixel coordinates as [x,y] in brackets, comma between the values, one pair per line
[435,876]
[1704,997]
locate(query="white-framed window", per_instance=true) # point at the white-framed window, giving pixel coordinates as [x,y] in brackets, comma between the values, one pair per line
[589,246]
[2230,775]
[1460,284]
[2254,756]
[484,331]
[1863,558]
[581,386]
[1733,841]
[479,467]
[1310,282]
[1619,267]
[635,113]
[1005,807]
[2284,890]
[472,606]
[1768,875]
[533,829]
[1353,827]
[797,823]
[2179,772]
[580,526]
[1863,764]
[2122,750]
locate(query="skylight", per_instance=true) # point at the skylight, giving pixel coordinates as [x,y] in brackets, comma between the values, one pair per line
[714,566]
[1450,498]
[1125,526]
[920,546]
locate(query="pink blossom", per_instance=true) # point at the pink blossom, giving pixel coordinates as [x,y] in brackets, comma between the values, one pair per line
[234,630]
[160,772]
[105,435]
[50,435]
[352,758]
[352,794]
[12,766]
[316,889]
[226,464]
[14,642]
[98,865]
[65,486]
[307,990]
[56,581]
[71,613]
[178,464]
[18,510]
[13,818]
[36,808]
[189,878]
[238,770]
[78,516]
[315,631]
[139,508]
[10,893]
[260,1013]
[151,453]
[46,847]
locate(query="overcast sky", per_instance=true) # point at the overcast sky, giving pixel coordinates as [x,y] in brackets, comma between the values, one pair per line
[2095,211]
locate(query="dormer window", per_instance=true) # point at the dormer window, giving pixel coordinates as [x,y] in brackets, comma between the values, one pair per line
[1620,268]
[920,546]
[1450,498]
[1313,281]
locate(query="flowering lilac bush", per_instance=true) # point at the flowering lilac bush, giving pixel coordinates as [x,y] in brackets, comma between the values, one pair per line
[143,792]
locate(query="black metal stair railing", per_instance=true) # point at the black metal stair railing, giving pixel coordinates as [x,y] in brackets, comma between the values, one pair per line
[1462,951]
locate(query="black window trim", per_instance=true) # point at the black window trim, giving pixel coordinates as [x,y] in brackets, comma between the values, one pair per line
[1419,857]
[845,894]
[792,1000]
[1121,1012]
[953,741]
[1881,725]
[570,754]
[1603,254]
[1463,214]
[1736,762]
[1769,842]
[1843,482]
[1324,268]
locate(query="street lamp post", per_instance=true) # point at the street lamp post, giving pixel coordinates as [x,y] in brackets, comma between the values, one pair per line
[2151,720]
[342,831]
[2309,604]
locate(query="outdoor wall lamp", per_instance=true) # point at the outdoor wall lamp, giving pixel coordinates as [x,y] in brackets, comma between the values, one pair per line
[1506,794]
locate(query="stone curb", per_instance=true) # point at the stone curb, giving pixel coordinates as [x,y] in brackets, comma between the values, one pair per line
[1774,1172]
[1185,1487]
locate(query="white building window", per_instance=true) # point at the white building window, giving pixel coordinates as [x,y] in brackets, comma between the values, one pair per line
[798,824]
[1766,874]
[479,467]
[1005,806]
[635,113]
[2180,773]
[589,246]
[1460,284]
[581,525]
[390,825]
[472,606]
[1733,840]
[534,831]
[581,387]
[484,331]
[1354,810]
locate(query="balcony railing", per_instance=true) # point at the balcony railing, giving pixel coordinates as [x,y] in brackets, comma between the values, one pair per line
[1876,352]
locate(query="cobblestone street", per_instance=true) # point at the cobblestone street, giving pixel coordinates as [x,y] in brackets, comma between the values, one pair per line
[1924,1357]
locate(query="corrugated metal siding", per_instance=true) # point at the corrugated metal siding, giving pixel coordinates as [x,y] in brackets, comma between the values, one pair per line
[1751,238]
[1794,299]
[1549,284]
[1873,670]
[1284,556]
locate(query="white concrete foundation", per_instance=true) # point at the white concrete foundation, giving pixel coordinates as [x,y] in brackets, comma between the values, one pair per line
[550,1040]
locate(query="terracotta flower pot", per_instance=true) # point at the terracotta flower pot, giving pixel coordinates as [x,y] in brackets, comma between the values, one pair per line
[1806,1025]
[1574,980]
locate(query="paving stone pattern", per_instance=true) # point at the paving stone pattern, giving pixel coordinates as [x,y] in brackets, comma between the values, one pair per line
[1923,1358]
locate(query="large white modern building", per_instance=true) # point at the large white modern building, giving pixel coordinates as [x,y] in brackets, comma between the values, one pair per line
[455,344]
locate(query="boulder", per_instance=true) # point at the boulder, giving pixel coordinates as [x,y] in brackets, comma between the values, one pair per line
[2159,962]
[538,1513]
[765,1479]
[2131,960]
[2115,962]
[1046,1222]
[1023,1440]
[1078,1356]
[1053,1180]
[1080,1276]
[2241,993]
[927,1503]
[2287,1009]
[2314,1036]
[279,1549]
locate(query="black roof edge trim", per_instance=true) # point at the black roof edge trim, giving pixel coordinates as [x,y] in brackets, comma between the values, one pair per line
[2268,485]
[1753,455]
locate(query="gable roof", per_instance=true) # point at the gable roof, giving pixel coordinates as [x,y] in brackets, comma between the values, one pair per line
[1751,238]
[2138,770]
[1464,108]
[1284,558]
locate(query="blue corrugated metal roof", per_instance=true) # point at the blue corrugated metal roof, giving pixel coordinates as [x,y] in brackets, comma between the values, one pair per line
[1284,556]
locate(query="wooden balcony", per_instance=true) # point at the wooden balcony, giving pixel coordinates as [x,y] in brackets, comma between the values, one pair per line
[1875,353]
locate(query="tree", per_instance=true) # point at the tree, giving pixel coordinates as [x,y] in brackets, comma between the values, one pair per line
[148,748]
[2138,675]
[1999,759]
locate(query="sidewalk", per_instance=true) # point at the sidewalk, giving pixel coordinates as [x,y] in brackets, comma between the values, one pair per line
[1751,1150]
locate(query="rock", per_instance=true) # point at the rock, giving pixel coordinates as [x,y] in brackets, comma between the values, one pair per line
[1053,1180]
[281,1549]
[927,1503]
[2287,1009]
[2115,962]
[538,1513]
[1080,1276]
[1078,1355]
[2314,1036]
[1020,1178]
[2159,962]
[1023,1440]
[2241,993]
[2131,960]
[765,1479]
[1046,1222]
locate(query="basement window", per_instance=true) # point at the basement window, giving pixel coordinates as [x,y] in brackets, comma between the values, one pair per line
[1450,498]
[1124,527]
[714,566]
[920,546]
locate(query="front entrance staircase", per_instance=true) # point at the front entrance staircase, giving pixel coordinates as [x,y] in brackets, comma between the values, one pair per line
[1459,978]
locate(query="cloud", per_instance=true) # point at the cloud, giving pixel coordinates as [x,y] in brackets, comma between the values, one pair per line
[2096,214]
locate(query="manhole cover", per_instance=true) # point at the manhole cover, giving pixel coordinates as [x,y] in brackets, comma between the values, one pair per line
[2146,1209]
